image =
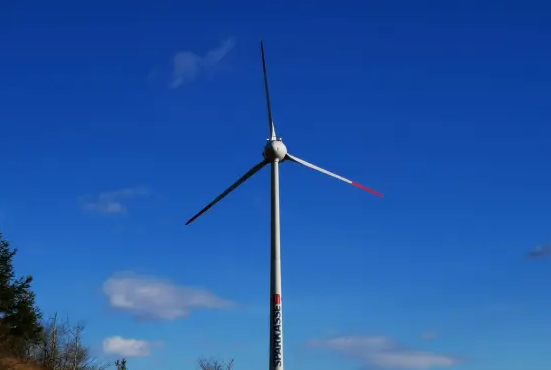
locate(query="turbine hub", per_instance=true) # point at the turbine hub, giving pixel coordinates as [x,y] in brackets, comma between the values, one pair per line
[275,150]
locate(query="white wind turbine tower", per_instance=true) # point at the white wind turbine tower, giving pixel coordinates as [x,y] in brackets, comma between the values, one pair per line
[274,153]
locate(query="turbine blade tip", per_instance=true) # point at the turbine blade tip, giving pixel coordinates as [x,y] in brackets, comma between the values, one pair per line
[367,189]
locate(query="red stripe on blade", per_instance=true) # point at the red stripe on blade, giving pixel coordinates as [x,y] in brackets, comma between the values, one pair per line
[367,189]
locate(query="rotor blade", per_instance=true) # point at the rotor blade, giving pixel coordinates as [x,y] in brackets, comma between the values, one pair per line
[314,167]
[267,92]
[249,174]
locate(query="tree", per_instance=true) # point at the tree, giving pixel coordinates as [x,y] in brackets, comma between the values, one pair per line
[120,364]
[213,364]
[29,343]
[61,348]
[19,317]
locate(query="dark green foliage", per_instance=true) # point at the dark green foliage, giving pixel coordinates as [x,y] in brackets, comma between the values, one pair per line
[121,364]
[20,326]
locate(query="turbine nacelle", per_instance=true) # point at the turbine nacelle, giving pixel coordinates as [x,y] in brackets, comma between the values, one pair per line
[275,150]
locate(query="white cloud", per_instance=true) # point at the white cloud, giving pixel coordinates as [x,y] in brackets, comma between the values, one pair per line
[125,347]
[187,64]
[150,297]
[112,201]
[384,353]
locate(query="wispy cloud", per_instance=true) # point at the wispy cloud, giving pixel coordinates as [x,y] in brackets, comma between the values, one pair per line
[540,252]
[154,298]
[429,335]
[381,352]
[187,65]
[126,347]
[112,202]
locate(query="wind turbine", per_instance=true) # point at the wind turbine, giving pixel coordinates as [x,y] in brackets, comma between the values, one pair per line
[274,153]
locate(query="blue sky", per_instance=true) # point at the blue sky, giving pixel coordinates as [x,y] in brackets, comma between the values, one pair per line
[120,120]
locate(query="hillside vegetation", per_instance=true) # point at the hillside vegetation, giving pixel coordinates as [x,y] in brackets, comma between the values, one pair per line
[28,341]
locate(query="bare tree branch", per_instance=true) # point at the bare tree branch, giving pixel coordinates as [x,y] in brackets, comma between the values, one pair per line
[214,364]
[61,348]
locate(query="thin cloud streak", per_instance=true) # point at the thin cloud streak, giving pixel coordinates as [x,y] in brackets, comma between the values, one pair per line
[380,352]
[429,335]
[112,202]
[539,252]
